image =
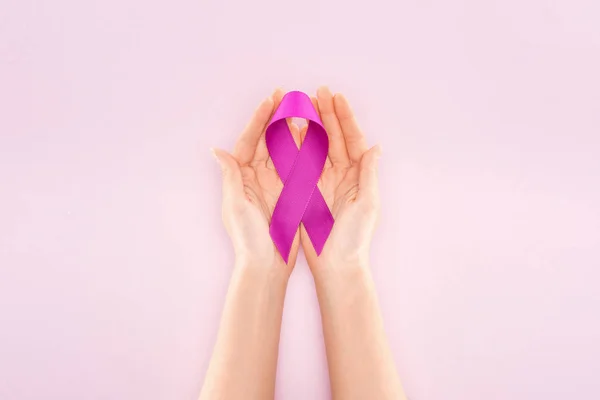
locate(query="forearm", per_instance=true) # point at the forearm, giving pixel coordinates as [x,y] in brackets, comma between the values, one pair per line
[360,362]
[244,360]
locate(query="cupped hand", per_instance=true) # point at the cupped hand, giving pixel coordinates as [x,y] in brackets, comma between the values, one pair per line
[349,186]
[251,188]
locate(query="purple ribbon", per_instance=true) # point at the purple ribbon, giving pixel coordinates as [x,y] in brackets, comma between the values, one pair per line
[299,170]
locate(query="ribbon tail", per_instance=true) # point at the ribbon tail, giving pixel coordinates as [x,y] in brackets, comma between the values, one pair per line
[317,221]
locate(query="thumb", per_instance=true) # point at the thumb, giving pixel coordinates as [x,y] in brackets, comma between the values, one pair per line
[367,179]
[232,176]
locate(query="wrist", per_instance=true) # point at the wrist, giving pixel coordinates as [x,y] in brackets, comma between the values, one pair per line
[343,290]
[332,266]
[246,269]
[331,277]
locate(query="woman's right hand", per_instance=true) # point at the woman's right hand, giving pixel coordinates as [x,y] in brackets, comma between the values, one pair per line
[250,191]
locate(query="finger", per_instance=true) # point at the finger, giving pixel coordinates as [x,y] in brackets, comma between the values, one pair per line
[232,176]
[367,179]
[290,123]
[261,154]
[303,133]
[354,138]
[277,97]
[247,144]
[315,104]
[337,146]
[295,130]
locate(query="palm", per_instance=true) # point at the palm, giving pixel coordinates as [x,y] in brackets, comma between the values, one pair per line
[261,187]
[339,186]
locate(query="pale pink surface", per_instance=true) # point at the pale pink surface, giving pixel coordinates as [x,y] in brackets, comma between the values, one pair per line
[113,260]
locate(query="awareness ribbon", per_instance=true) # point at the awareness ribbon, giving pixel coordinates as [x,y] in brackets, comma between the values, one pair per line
[299,170]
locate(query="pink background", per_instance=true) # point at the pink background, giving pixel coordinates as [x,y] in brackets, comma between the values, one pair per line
[113,260]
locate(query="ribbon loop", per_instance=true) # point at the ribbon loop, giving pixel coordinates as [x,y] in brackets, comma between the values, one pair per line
[299,170]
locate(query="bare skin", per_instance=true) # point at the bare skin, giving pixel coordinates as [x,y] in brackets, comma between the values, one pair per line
[244,360]
[360,362]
